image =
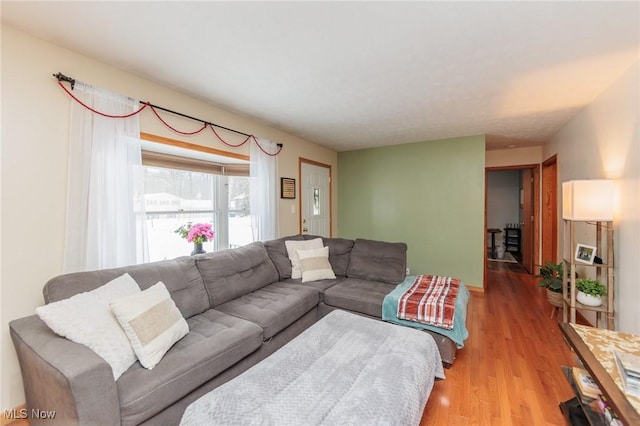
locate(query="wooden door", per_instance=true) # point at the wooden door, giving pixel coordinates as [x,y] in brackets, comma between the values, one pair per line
[550,210]
[527,220]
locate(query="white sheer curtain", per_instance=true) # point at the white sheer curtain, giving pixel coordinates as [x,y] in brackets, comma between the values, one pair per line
[263,190]
[105,197]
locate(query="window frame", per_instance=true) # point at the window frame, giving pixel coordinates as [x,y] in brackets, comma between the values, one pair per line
[220,212]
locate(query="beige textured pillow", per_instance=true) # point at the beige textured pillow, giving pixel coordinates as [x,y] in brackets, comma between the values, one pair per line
[292,251]
[151,321]
[315,265]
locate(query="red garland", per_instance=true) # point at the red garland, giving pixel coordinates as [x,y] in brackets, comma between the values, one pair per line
[225,142]
[102,113]
[262,149]
[204,125]
[148,104]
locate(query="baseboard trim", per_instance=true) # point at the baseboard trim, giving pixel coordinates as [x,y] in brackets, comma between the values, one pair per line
[475,289]
[13,415]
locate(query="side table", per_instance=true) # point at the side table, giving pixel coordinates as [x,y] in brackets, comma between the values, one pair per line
[593,346]
[493,232]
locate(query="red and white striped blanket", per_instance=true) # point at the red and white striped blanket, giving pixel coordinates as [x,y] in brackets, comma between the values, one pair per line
[431,300]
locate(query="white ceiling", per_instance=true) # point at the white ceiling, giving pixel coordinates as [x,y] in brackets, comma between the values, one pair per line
[351,75]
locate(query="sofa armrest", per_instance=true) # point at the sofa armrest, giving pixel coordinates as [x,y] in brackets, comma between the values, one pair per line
[62,376]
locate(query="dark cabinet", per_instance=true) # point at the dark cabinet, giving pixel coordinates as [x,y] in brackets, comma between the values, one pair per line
[512,240]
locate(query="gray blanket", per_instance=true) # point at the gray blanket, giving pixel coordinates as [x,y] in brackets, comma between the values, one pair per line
[345,369]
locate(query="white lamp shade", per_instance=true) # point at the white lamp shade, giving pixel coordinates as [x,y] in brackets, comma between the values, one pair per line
[588,200]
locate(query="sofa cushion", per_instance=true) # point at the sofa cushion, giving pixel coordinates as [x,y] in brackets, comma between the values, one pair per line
[273,307]
[378,261]
[277,251]
[229,274]
[180,276]
[151,321]
[339,254]
[320,285]
[358,295]
[215,342]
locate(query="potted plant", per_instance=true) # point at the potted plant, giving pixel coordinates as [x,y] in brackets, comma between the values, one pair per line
[590,292]
[551,277]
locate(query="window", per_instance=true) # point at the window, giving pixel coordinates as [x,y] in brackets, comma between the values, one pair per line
[180,189]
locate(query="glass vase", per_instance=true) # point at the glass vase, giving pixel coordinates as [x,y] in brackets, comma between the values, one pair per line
[197,249]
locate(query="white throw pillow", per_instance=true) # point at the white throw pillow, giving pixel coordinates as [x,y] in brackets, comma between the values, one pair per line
[152,322]
[315,265]
[292,251]
[87,319]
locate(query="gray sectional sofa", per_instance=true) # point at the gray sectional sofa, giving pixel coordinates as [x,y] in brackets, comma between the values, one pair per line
[241,305]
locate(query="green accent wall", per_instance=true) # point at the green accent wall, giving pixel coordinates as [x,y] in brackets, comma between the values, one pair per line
[429,195]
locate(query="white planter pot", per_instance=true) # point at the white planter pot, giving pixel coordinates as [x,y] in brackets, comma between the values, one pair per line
[589,300]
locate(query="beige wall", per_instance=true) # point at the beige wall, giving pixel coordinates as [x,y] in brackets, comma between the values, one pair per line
[602,141]
[513,157]
[35,116]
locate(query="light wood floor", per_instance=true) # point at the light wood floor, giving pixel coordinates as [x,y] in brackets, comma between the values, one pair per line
[508,373]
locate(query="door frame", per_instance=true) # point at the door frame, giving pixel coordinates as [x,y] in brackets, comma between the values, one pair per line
[535,173]
[549,231]
[318,164]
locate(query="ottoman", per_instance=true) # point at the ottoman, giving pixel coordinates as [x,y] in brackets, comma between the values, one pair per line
[345,369]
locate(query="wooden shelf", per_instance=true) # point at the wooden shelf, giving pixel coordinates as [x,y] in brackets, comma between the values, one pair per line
[602,308]
[604,272]
[593,417]
[595,265]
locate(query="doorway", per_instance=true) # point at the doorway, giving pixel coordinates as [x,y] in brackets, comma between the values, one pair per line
[511,215]
[550,210]
[315,198]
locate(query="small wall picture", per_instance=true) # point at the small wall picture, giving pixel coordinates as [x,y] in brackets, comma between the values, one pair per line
[287,188]
[585,254]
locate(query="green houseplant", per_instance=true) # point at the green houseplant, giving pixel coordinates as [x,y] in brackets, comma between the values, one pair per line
[551,278]
[590,291]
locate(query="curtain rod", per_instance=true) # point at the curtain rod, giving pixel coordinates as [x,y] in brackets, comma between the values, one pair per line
[72,81]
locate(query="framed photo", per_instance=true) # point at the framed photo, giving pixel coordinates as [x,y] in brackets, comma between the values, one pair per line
[287,188]
[585,254]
